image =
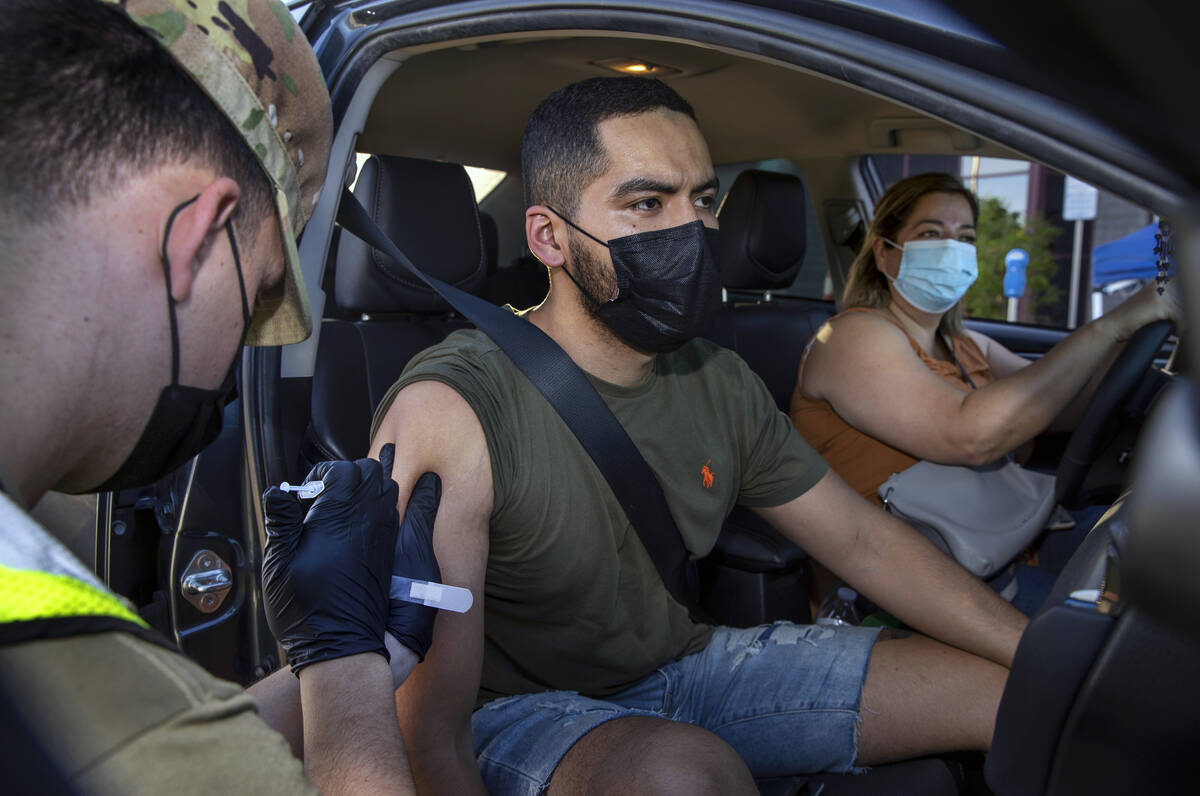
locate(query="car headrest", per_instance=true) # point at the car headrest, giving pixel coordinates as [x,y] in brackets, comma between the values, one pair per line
[762,231]
[491,241]
[428,209]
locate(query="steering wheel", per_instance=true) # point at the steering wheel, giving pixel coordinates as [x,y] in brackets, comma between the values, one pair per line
[1091,435]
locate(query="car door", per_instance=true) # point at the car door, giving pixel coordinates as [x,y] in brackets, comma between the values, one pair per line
[186,552]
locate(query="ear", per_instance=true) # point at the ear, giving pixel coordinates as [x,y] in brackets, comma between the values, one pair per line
[879,247]
[196,231]
[543,237]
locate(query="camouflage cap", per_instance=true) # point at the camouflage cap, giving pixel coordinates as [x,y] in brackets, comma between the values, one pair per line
[256,65]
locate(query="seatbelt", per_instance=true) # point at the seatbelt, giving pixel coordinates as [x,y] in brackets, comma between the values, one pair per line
[568,390]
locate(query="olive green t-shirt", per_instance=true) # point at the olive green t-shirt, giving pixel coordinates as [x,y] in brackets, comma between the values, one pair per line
[572,601]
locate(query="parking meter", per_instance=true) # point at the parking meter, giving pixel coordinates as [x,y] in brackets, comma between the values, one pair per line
[1015,263]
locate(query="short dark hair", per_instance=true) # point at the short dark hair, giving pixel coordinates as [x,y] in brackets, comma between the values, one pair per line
[89,100]
[561,153]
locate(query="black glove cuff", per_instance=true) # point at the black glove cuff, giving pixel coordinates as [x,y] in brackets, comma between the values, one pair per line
[301,658]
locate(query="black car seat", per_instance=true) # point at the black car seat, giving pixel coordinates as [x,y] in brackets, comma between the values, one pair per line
[429,210]
[756,575]
[1100,697]
[491,242]
[523,283]
[762,246]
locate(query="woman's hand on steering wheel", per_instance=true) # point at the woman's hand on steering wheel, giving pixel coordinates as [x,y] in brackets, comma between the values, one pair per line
[1145,307]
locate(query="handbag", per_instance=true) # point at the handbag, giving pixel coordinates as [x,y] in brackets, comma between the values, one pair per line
[982,516]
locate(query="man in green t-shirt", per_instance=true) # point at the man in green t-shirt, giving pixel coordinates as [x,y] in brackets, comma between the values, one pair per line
[606,682]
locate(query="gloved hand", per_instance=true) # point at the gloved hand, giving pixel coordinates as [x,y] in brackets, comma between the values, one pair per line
[326,578]
[410,623]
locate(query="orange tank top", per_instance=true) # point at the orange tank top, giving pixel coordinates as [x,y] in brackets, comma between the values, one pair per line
[863,461]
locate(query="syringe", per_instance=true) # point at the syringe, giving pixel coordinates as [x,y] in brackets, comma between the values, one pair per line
[435,595]
[422,592]
[306,491]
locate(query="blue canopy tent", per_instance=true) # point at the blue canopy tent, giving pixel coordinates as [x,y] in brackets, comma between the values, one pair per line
[1130,257]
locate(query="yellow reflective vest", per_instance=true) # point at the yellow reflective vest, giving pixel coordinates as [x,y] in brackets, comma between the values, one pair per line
[45,592]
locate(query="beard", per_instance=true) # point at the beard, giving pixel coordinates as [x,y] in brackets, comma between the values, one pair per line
[591,277]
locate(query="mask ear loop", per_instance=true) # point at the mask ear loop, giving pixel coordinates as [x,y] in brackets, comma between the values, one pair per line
[237,262]
[580,287]
[166,264]
[573,225]
[888,277]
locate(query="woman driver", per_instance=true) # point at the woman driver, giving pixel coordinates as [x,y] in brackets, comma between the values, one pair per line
[895,377]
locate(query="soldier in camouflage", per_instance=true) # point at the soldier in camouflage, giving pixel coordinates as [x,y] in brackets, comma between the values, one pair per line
[158,159]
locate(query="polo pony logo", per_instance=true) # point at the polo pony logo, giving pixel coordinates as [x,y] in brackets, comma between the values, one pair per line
[707,475]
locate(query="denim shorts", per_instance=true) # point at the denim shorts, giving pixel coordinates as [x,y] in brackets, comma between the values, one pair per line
[784,696]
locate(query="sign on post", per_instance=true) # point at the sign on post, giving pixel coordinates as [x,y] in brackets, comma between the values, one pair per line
[1080,201]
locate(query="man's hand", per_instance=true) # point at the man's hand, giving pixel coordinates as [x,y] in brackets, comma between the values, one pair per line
[326,578]
[410,623]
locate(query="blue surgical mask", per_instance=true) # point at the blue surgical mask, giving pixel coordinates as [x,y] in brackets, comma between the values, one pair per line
[934,274]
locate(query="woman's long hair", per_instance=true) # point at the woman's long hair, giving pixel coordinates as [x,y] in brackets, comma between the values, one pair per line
[866,286]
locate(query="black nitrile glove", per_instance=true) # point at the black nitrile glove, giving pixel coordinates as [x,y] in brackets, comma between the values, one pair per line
[326,579]
[411,623]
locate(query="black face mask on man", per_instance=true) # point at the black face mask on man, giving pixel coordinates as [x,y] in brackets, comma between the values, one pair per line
[185,419]
[668,285]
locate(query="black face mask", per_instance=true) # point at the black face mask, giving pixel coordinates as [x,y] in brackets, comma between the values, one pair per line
[668,285]
[185,419]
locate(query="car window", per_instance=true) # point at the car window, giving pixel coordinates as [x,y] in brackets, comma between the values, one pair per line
[1021,206]
[812,280]
[484,181]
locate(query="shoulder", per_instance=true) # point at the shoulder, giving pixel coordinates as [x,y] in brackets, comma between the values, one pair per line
[864,318]
[433,419]
[436,412]
[442,378]
[696,354]
[855,331]
[703,362]
[462,346]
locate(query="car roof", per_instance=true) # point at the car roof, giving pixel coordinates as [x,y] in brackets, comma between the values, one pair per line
[801,78]
[1133,66]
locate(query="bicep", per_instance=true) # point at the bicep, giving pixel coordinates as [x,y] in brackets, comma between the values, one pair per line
[435,429]
[871,377]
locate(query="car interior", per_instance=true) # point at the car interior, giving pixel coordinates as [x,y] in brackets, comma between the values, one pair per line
[792,149]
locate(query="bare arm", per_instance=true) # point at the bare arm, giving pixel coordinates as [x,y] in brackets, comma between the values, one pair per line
[866,369]
[436,430]
[350,730]
[1001,361]
[277,696]
[1004,363]
[899,569]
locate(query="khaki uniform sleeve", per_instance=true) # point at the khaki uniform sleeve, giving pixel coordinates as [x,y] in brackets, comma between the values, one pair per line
[125,716]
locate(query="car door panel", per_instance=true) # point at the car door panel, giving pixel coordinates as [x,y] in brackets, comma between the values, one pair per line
[1029,341]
